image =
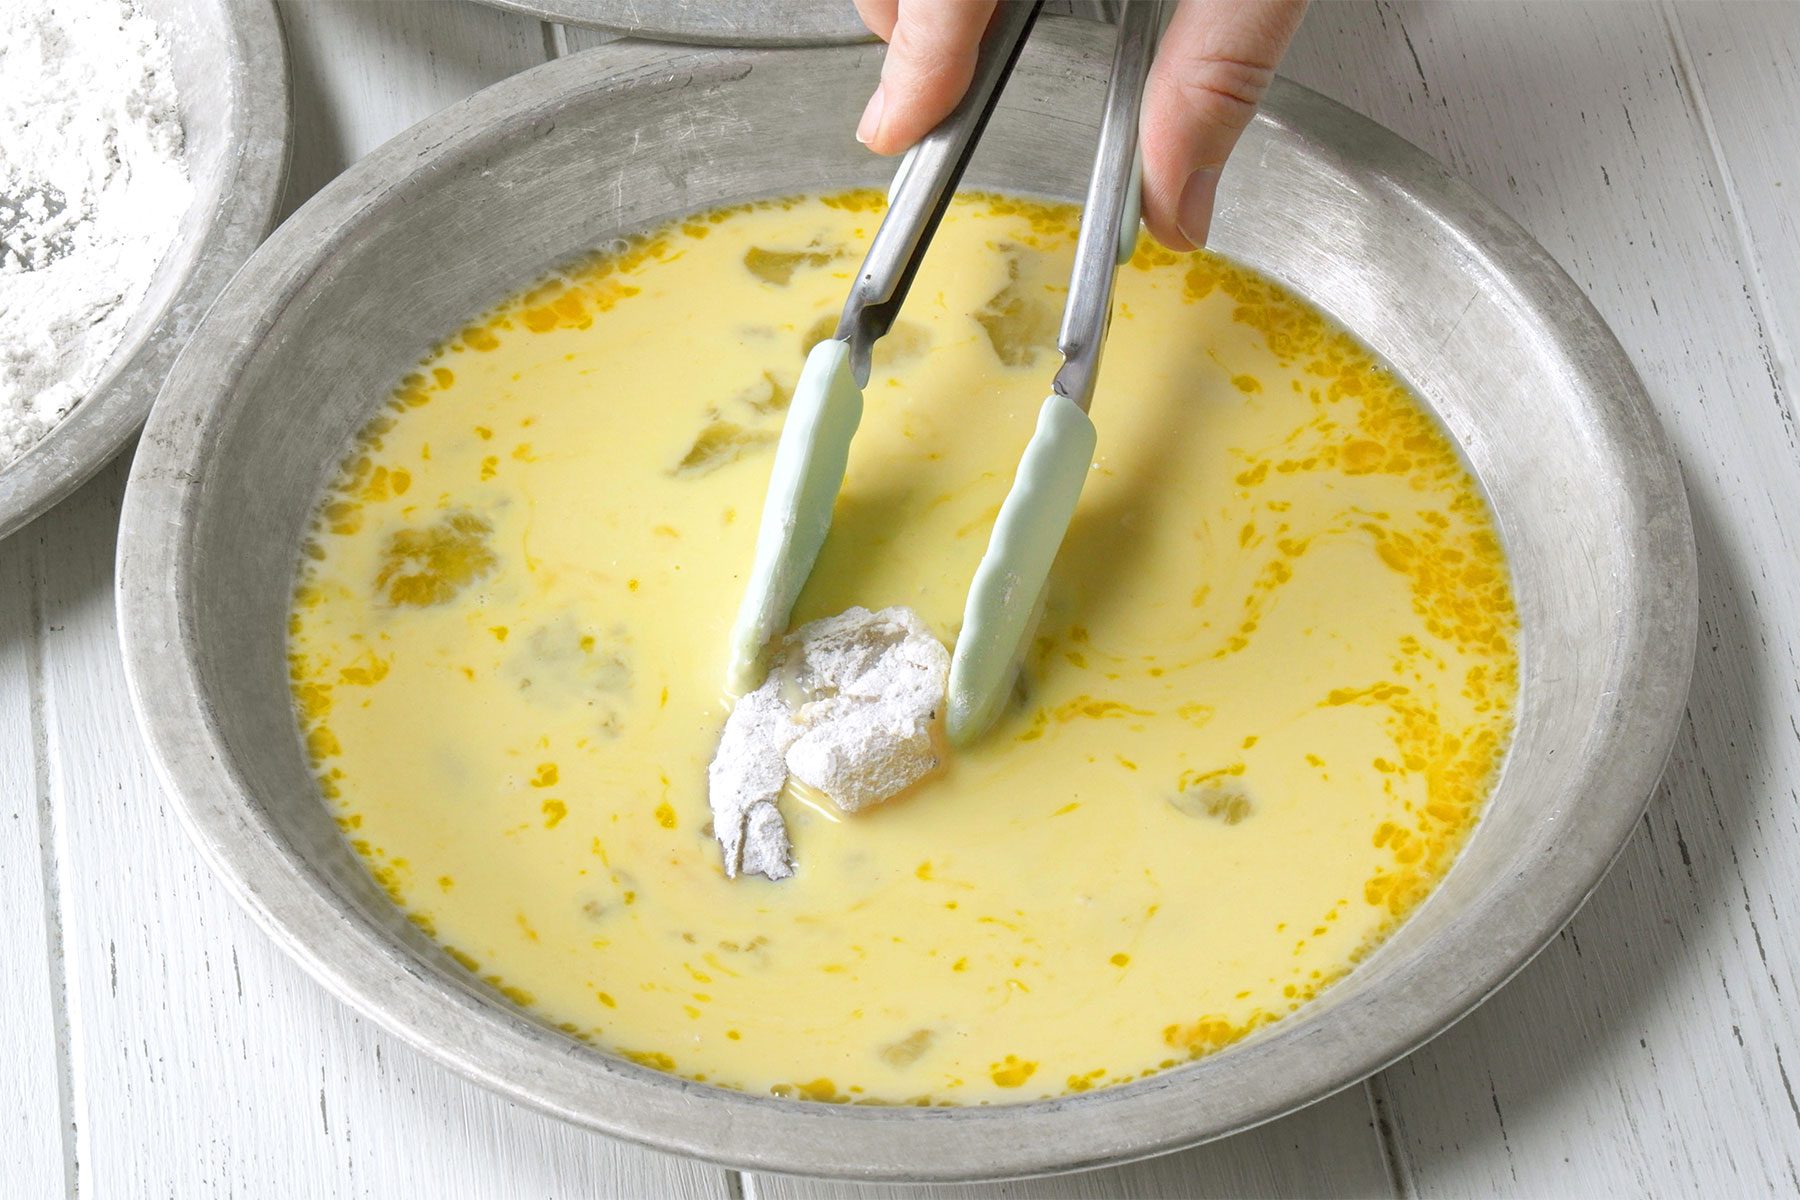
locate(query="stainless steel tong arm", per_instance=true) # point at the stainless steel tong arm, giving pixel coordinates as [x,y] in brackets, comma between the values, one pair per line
[1109,218]
[923,186]
[927,178]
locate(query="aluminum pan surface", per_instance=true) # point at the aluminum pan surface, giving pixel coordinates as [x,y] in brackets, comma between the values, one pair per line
[231,77]
[357,285]
[734,22]
[724,23]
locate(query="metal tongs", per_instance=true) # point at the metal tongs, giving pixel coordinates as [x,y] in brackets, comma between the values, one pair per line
[1006,594]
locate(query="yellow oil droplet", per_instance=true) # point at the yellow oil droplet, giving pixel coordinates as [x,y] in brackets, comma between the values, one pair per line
[1012,1072]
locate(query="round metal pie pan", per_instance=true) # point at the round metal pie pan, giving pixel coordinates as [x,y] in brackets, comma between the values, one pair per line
[473,203]
[231,81]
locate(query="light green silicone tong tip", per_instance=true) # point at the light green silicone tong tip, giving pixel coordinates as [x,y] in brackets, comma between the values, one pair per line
[1007,594]
[813,453]
[809,469]
[814,450]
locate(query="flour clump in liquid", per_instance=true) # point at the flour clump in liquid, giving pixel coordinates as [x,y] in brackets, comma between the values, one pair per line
[94,179]
[849,709]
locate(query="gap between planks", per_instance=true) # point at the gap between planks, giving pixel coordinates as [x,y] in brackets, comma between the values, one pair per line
[38,1154]
[50,840]
[1762,299]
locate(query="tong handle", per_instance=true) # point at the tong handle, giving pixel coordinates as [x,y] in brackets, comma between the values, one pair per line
[1109,219]
[922,189]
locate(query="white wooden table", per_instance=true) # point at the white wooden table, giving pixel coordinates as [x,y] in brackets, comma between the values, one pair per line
[158,1044]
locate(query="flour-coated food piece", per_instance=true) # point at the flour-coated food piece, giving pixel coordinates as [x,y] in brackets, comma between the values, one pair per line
[878,680]
[744,780]
[849,708]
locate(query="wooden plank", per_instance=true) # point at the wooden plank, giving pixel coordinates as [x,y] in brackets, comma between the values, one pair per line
[363,71]
[571,39]
[1329,1149]
[36,1141]
[1652,1049]
[1743,61]
[209,1064]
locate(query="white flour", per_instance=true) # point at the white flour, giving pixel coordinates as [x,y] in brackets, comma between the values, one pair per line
[88,115]
[848,709]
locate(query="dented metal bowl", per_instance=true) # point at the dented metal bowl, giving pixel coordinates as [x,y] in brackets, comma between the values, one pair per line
[483,197]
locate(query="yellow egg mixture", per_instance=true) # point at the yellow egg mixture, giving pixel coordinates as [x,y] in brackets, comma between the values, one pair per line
[1272,686]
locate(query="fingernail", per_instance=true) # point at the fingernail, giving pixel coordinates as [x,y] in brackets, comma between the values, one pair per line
[1193,214]
[870,125]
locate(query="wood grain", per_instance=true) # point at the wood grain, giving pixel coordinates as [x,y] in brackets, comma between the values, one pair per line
[36,1141]
[363,70]
[1741,64]
[571,39]
[1329,1149]
[1651,1049]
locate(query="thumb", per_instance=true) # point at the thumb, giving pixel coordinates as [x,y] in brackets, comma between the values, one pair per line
[1216,61]
[932,46]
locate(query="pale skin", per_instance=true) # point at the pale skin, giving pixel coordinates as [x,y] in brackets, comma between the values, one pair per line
[1214,65]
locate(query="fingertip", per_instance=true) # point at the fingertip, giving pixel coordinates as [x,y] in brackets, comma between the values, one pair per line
[1167,173]
[931,55]
[1168,235]
[879,16]
[1172,240]
[1194,210]
[1214,64]
[868,128]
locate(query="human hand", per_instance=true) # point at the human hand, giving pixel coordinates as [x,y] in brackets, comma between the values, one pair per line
[1212,68]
